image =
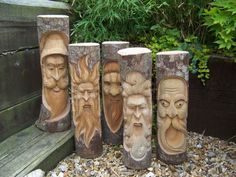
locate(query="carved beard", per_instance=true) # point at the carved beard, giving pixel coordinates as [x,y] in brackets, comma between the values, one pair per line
[87,121]
[137,140]
[113,111]
[171,134]
[55,101]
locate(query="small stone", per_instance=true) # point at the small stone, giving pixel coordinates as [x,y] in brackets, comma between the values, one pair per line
[150,169]
[96,163]
[63,167]
[150,174]
[211,154]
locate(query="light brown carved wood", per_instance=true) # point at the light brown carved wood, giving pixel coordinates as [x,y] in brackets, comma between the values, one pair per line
[112,119]
[53,32]
[172,102]
[84,71]
[136,67]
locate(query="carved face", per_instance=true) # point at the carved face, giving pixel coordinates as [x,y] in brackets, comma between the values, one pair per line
[172,114]
[55,71]
[137,126]
[55,81]
[113,101]
[137,115]
[85,94]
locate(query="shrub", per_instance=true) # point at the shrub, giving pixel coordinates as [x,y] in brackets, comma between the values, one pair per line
[99,20]
[221,20]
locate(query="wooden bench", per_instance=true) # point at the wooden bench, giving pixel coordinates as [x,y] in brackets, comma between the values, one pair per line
[32,148]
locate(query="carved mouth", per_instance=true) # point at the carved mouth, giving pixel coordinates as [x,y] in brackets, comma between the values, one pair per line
[56,89]
[138,124]
[87,106]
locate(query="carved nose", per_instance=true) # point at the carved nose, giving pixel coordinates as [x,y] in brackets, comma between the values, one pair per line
[137,113]
[56,76]
[86,96]
[172,113]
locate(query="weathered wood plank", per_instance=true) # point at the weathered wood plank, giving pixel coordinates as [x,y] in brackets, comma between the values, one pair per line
[216,100]
[35,153]
[20,77]
[19,116]
[18,21]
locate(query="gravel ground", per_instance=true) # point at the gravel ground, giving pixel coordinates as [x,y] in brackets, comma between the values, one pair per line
[207,156]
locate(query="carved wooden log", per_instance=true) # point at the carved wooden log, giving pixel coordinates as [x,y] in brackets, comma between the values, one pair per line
[136,72]
[112,119]
[53,35]
[84,62]
[172,102]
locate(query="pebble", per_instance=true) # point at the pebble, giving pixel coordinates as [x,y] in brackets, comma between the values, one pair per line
[207,156]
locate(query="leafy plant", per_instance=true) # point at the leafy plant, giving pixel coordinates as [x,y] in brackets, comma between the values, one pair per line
[99,20]
[170,39]
[221,20]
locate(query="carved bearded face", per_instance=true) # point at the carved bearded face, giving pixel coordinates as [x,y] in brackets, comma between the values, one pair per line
[137,116]
[113,101]
[85,94]
[172,114]
[55,80]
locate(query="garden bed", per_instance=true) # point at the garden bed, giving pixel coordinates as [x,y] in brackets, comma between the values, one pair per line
[207,156]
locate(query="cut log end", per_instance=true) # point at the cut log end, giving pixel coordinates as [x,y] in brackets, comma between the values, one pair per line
[176,52]
[134,51]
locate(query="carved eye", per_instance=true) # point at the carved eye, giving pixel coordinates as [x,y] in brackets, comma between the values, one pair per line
[179,103]
[164,103]
[61,68]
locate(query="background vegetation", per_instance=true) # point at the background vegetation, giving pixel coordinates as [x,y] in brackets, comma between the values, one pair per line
[201,27]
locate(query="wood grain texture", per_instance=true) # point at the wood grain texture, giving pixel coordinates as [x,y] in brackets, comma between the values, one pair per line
[30,148]
[84,61]
[19,116]
[172,81]
[53,34]
[213,99]
[20,77]
[136,67]
[18,22]
[112,115]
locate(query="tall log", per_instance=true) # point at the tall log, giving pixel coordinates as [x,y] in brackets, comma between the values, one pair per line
[136,72]
[172,102]
[53,35]
[112,118]
[84,62]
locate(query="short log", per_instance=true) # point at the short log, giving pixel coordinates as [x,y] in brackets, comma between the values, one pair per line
[84,62]
[172,105]
[136,72]
[112,118]
[53,35]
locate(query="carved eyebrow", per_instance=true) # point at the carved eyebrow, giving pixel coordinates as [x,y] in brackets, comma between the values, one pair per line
[164,97]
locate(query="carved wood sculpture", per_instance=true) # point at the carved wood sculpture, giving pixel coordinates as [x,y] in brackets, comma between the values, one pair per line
[136,67]
[112,119]
[53,34]
[172,102]
[84,71]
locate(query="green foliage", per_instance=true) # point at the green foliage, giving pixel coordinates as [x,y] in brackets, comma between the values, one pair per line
[182,15]
[99,20]
[221,20]
[169,39]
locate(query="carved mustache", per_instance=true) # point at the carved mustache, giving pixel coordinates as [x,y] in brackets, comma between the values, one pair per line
[51,83]
[176,122]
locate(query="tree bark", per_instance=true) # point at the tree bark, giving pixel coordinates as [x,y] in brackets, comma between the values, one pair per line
[172,105]
[84,62]
[112,115]
[53,36]
[136,72]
